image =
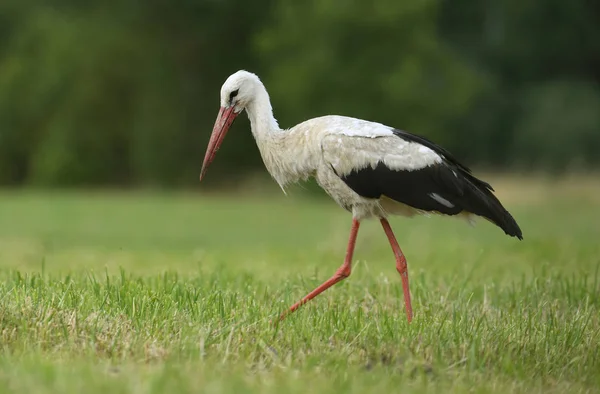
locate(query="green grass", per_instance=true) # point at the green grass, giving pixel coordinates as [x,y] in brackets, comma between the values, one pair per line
[141,292]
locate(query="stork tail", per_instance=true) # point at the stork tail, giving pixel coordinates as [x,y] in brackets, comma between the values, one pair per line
[478,198]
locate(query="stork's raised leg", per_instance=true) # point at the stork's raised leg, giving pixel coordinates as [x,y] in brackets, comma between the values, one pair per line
[400,266]
[342,273]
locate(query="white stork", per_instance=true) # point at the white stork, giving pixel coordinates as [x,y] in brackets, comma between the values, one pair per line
[369,169]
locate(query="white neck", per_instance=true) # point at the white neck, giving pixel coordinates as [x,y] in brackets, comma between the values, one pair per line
[260,114]
[276,146]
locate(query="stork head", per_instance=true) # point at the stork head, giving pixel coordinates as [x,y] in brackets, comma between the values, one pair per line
[237,93]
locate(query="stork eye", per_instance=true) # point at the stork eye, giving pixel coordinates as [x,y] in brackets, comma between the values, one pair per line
[233,94]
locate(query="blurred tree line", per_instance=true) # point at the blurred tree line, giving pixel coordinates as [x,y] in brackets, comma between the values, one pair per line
[126,92]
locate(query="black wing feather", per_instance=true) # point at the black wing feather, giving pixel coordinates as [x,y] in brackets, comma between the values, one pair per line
[448,188]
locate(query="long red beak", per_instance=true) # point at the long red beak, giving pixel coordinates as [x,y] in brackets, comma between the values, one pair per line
[224,120]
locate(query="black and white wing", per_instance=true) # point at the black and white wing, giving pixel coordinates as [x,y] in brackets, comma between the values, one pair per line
[375,160]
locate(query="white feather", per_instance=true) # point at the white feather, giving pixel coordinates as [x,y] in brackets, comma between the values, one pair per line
[358,152]
[441,200]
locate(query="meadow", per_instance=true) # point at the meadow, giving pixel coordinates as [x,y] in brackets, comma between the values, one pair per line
[147,292]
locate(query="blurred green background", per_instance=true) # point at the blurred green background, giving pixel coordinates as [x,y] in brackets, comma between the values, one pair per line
[124,93]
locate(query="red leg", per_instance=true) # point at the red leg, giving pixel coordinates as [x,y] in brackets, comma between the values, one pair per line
[342,273]
[400,266]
